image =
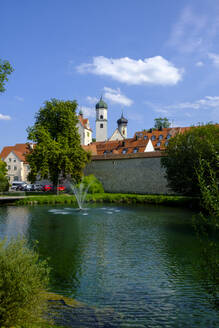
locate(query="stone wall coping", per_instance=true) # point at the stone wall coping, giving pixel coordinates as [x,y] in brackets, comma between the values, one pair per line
[153,154]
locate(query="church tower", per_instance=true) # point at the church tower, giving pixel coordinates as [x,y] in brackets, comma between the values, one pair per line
[122,126]
[101,120]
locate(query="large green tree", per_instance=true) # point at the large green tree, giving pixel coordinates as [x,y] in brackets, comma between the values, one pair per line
[160,123]
[4,185]
[184,153]
[5,70]
[57,152]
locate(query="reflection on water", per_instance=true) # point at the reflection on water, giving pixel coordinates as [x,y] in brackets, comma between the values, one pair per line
[140,261]
[14,221]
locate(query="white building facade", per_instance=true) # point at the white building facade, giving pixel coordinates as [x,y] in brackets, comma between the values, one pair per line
[84,130]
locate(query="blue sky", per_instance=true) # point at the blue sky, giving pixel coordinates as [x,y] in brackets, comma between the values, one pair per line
[148,59]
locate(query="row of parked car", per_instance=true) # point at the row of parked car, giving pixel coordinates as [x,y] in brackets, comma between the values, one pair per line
[23,186]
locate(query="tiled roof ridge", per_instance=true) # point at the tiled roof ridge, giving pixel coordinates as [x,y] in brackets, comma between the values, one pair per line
[84,122]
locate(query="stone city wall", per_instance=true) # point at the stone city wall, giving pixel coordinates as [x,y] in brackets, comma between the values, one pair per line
[131,173]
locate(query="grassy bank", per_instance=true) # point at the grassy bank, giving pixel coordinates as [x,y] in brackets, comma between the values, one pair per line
[112,198]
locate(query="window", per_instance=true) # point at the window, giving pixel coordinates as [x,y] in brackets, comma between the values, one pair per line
[15,168]
[168,136]
[9,167]
[153,138]
[101,117]
[101,125]
[166,143]
[88,134]
[14,160]
[9,159]
[135,150]
[145,137]
[160,137]
[158,143]
[124,151]
[16,178]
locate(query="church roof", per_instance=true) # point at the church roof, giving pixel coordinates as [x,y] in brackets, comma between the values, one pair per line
[101,104]
[122,119]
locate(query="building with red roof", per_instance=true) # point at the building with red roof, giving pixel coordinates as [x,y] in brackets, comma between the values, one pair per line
[14,157]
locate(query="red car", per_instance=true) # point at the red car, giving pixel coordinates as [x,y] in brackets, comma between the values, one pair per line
[50,188]
[61,188]
[47,187]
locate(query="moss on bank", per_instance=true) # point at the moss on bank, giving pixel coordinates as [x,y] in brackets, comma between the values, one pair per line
[113,198]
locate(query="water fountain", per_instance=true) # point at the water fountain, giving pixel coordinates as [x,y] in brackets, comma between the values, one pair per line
[80,191]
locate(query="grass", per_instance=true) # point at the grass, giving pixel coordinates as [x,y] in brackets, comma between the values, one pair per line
[169,200]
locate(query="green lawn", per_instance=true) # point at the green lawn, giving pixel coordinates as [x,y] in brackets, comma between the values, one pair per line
[111,198]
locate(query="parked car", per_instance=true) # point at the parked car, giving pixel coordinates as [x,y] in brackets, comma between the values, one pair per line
[51,188]
[47,187]
[38,187]
[28,187]
[61,188]
[17,184]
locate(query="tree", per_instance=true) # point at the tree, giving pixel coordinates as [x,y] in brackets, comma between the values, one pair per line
[160,123]
[5,70]
[57,152]
[206,225]
[184,153]
[4,185]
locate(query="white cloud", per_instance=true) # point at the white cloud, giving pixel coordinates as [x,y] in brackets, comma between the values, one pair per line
[88,111]
[214,58]
[92,100]
[207,102]
[206,109]
[115,96]
[187,33]
[5,117]
[199,64]
[155,70]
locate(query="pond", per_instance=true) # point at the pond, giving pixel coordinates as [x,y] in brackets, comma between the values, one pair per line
[140,261]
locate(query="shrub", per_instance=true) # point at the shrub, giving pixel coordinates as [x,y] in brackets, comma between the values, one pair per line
[23,282]
[95,185]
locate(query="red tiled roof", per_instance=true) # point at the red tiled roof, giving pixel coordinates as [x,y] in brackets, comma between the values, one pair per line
[90,148]
[84,122]
[18,149]
[159,139]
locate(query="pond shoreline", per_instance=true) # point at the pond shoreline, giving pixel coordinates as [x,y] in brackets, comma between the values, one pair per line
[168,200]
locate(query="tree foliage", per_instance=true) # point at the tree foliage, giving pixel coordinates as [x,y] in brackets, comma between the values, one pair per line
[57,152]
[160,123]
[5,70]
[4,185]
[206,225]
[23,282]
[184,153]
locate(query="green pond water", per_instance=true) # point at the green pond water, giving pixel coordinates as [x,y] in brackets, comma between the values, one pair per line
[140,261]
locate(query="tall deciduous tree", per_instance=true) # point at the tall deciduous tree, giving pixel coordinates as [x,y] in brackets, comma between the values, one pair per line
[57,151]
[184,153]
[5,70]
[4,185]
[160,123]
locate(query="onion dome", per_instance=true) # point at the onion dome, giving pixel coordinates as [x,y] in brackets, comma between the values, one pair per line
[101,104]
[122,120]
